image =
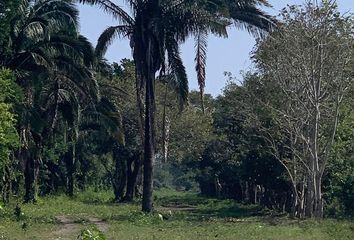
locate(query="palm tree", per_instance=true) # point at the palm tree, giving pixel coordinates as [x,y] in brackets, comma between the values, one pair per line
[65,90]
[50,61]
[155,29]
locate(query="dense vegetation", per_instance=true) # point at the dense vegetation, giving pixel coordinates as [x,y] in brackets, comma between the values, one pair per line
[73,123]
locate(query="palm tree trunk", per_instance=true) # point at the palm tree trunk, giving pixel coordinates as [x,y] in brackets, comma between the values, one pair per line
[119,177]
[31,177]
[149,155]
[70,166]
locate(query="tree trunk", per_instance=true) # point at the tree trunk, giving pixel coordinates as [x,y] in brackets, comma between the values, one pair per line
[318,208]
[6,185]
[309,197]
[70,168]
[119,178]
[255,191]
[247,194]
[31,178]
[149,154]
[139,183]
[294,202]
[301,206]
[165,129]
[132,177]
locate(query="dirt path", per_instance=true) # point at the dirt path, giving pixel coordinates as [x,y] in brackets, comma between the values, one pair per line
[70,229]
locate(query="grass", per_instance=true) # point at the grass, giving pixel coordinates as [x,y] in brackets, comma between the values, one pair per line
[193,217]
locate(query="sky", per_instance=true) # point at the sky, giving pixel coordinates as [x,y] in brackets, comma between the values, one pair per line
[224,55]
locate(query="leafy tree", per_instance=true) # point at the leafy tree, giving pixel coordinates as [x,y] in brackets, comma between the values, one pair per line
[237,164]
[119,87]
[182,135]
[307,60]
[9,140]
[338,179]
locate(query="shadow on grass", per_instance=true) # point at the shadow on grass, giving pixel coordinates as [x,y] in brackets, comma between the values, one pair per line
[197,208]
[183,198]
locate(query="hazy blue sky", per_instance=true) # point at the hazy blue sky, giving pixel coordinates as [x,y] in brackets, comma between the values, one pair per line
[231,54]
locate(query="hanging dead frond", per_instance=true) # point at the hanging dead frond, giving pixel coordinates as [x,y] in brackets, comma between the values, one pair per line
[200,59]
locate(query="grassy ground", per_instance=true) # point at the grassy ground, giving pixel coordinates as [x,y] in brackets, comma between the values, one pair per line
[193,217]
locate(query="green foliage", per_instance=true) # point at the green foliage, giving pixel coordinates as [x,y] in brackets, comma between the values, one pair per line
[339,178]
[8,96]
[8,135]
[19,214]
[8,12]
[9,140]
[239,158]
[91,233]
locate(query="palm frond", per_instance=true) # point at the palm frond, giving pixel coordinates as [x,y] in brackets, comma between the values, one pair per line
[189,18]
[86,50]
[59,11]
[36,29]
[104,116]
[107,37]
[79,79]
[247,16]
[177,69]
[113,9]
[200,59]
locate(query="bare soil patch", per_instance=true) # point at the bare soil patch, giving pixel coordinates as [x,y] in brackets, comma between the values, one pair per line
[70,228]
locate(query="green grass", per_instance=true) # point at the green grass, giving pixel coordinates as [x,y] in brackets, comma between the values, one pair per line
[193,217]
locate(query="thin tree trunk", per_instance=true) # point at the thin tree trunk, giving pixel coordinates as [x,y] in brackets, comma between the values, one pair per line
[133,175]
[301,207]
[119,178]
[31,178]
[309,202]
[29,155]
[149,155]
[6,185]
[165,129]
[318,209]
[255,193]
[247,194]
[70,166]
[295,201]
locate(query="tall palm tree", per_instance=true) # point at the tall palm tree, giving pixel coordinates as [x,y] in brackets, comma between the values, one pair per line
[155,29]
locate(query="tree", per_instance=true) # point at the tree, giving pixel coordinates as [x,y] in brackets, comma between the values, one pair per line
[238,163]
[119,88]
[339,177]
[307,60]
[155,31]
[9,139]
